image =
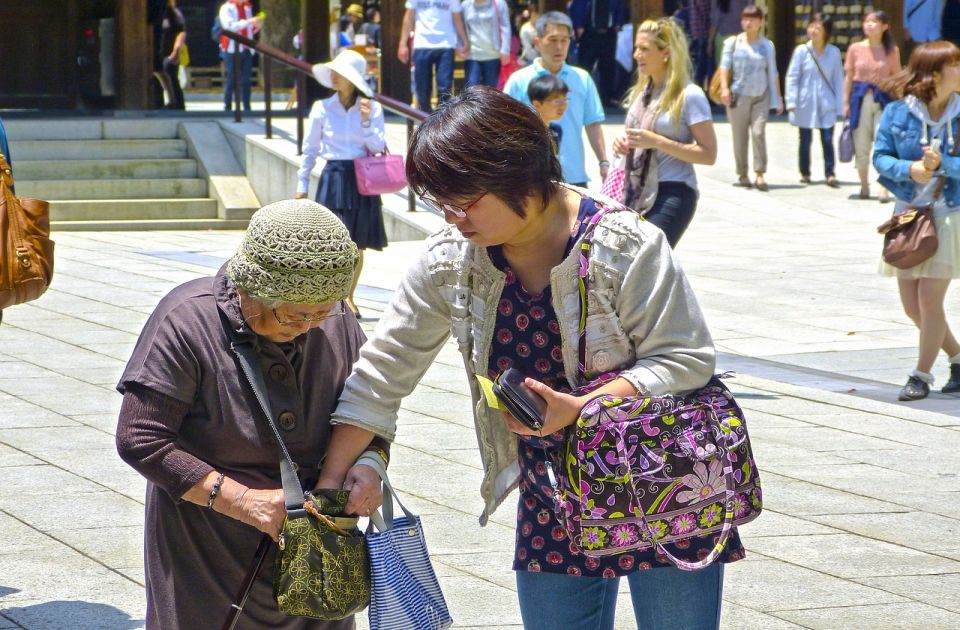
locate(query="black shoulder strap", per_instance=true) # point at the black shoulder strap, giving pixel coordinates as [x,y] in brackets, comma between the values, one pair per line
[916,8]
[292,490]
[813,55]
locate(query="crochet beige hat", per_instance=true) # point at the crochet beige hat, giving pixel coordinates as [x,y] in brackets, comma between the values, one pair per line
[295,251]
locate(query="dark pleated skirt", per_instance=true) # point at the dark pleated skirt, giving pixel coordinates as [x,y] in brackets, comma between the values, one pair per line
[362,215]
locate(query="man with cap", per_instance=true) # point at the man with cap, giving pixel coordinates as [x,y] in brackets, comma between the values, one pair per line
[191,425]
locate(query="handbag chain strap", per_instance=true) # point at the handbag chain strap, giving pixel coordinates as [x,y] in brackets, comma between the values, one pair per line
[292,490]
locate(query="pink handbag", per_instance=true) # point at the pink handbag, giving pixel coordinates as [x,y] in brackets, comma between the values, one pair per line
[380,174]
[615,184]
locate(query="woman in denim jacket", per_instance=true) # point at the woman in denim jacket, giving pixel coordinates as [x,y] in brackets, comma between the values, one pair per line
[502,279]
[916,146]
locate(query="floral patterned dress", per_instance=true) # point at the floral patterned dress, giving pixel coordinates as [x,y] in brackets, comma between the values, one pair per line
[527,336]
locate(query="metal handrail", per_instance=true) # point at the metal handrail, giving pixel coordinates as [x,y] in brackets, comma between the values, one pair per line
[412,115]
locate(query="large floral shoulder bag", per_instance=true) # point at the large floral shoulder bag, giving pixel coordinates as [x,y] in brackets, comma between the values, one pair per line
[643,471]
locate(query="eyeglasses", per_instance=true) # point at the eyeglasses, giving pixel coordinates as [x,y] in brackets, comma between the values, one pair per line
[560,100]
[336,311]
[457,211]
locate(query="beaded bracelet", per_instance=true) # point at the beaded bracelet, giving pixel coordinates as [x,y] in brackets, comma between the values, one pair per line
[213,493]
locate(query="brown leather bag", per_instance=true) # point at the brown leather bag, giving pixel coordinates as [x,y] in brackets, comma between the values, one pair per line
[909,238]
[26,251]
[715,88]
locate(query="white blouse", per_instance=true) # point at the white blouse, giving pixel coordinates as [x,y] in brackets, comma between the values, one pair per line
[334,133]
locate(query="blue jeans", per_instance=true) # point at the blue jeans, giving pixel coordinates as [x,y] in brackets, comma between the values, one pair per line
[424,62]
[663,599]
[673,209]
[826,142]
[482,72]
[246,73]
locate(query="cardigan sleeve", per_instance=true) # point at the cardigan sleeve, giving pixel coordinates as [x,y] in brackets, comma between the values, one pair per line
[147,440]
[659,312]
[412,331]
[773,77]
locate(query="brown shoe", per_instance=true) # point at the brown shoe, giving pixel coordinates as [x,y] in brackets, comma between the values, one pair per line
[832,182]
[805,179]
[761,184]
[744,182]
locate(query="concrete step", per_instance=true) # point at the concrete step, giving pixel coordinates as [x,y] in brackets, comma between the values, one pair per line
[140,225]
[98,149]
[75,189]
[111,210]
[88,129]
[103,169]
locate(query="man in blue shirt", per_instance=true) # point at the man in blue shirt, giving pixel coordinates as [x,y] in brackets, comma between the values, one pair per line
[595,27]
[584,109]
[922,20]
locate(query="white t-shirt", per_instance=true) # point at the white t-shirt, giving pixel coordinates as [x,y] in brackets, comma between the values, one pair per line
[696,109]
[434,23]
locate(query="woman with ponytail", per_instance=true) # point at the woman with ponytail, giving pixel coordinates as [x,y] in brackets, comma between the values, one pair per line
[669,128]
[918,158]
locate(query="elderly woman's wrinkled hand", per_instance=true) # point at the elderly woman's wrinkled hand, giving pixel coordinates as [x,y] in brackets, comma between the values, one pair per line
[263,509]
[562,411]
[363,482]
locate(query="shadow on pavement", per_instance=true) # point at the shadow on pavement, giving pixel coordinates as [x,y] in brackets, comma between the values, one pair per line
[76,615]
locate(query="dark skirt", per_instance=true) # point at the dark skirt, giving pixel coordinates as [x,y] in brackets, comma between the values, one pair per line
[362,215]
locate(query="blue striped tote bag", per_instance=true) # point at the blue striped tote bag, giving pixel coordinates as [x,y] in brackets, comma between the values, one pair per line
[405,593]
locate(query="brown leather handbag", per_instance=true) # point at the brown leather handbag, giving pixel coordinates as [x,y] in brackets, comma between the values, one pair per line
[26,251]
[909,238]
[715,87]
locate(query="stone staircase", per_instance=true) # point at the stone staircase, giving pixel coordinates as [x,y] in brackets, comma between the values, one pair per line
[114,174]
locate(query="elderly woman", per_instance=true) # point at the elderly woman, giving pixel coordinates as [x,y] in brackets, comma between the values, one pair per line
[191,425]
[502,278]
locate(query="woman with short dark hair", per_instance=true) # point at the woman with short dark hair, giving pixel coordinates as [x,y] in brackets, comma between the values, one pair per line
[814,94]
[750,89]
[502,278]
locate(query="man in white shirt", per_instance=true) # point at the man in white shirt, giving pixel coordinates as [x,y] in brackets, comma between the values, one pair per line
[237,16]
[437,25]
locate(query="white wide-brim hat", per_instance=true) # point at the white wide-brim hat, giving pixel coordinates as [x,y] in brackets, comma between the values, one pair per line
[350,65]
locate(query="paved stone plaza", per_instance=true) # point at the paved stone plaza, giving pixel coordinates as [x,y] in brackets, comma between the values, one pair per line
[861,527]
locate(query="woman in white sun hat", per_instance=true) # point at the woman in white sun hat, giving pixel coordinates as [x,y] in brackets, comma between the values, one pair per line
[342,128]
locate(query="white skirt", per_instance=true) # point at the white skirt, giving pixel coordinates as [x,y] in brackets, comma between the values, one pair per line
[945,263]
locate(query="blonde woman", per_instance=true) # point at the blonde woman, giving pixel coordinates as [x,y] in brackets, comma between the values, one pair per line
[750,60]
[669,129]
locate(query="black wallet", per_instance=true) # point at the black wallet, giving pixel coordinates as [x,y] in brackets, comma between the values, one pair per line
[522,402]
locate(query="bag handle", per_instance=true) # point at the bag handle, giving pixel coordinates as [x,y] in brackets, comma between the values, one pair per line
[728,502]
[383,519]
[292,490]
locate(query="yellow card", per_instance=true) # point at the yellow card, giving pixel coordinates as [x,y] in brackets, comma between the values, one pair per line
[486,386]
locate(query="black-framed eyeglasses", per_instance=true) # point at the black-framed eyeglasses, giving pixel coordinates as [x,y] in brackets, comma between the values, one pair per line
[457,211]
[336,310]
